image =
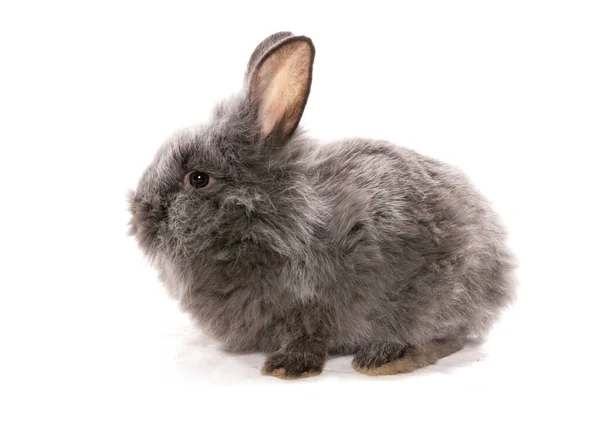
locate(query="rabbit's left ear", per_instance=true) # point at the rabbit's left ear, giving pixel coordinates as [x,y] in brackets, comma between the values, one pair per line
[280,84]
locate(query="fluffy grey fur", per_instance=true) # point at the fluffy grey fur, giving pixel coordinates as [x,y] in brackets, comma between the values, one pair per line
[302,249]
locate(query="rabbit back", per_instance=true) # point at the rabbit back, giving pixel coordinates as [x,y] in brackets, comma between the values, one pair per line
[420,253]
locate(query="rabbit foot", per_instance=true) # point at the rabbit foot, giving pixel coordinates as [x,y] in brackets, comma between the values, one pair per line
[390,359]
[374,358]
[293,365]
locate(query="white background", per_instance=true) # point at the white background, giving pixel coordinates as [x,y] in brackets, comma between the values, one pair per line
[509,91]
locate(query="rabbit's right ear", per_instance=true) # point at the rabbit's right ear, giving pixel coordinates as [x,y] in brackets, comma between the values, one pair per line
[278,84]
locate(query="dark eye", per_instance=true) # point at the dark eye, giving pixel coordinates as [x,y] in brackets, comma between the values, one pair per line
[198,179]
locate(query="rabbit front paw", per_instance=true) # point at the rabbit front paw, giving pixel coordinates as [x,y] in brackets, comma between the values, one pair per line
[293,365]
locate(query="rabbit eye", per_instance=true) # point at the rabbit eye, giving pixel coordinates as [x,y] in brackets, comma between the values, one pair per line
[198,179]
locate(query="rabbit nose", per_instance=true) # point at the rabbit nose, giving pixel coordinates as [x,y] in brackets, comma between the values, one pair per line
[146,215]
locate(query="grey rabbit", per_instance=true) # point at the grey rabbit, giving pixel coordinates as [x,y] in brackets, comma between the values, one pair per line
[276,243]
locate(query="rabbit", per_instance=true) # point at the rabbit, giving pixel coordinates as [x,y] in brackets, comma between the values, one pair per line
[277,243]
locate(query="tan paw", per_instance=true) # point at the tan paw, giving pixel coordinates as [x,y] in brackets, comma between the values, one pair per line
[401,365]
[293,365]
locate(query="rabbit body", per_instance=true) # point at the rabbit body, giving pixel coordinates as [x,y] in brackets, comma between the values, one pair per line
[301,249]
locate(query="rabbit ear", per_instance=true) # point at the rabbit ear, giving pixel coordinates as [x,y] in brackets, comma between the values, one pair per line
[279,84]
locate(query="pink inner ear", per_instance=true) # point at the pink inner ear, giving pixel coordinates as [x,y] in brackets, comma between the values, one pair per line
[284,79]
[274,105]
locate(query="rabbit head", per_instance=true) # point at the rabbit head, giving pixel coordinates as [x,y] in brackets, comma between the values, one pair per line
[236,183]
